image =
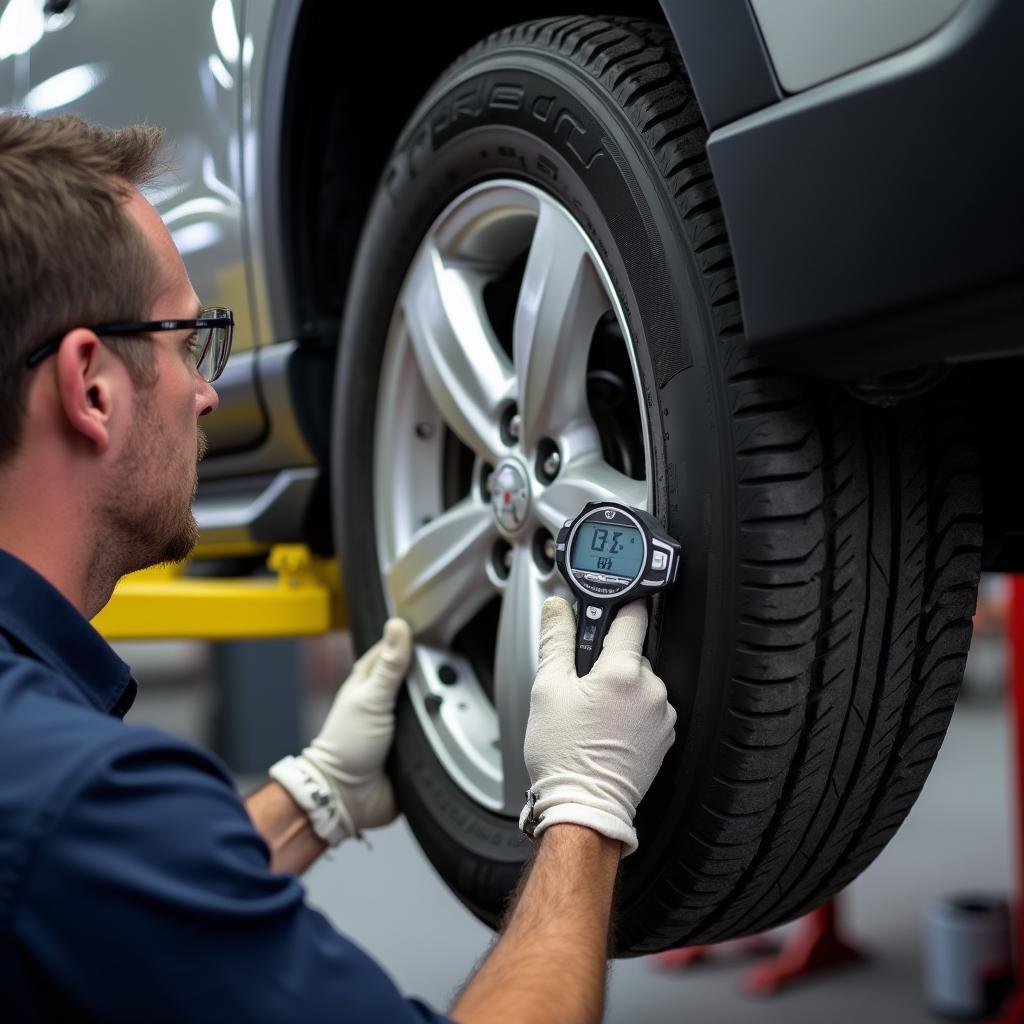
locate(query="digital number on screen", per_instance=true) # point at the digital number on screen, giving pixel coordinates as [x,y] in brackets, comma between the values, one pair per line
[618,550]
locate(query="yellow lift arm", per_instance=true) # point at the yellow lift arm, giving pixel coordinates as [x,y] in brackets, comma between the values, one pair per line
[303,597]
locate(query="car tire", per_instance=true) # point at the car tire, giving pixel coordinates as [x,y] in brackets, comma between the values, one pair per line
[815,644]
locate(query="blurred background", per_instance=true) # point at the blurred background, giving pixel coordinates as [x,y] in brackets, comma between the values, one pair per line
[253,702]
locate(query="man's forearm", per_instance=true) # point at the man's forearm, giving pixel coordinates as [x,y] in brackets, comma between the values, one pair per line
[550,963]
[286,829]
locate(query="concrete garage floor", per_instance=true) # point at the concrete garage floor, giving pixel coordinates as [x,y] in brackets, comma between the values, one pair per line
[957,839]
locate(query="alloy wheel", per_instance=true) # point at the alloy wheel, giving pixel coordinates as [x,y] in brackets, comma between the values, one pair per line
[494,429]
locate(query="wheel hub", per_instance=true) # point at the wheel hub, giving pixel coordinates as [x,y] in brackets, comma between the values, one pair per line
[510,495]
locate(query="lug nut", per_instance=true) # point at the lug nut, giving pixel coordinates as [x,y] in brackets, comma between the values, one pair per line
[511,424]
[501,559]
[549,461]
[543,548]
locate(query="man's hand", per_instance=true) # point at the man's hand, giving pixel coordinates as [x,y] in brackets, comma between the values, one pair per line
[339,778]
[593,745]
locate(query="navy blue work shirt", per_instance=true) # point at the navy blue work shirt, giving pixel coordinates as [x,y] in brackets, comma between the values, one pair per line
[133,886]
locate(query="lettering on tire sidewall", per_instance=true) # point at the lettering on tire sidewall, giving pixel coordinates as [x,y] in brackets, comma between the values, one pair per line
[539,131]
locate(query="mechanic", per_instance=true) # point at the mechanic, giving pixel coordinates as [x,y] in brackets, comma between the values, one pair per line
[134,883]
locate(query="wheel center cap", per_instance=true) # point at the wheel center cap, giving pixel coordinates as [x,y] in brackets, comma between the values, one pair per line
[510,495]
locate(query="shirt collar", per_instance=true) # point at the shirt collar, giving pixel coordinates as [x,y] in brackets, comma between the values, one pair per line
[45,622]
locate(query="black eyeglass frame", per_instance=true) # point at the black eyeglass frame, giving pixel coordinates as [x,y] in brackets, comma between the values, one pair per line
[224,318]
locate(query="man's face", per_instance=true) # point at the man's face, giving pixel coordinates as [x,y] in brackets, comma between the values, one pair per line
[154,476]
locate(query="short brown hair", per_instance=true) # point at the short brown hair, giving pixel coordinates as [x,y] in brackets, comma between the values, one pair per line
[69,253]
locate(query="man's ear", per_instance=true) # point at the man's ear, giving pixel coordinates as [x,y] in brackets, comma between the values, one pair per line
[85,386]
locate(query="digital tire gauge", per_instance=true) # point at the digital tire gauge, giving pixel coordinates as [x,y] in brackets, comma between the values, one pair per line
[611,554]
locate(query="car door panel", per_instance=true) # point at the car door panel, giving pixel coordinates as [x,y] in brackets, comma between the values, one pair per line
[178,66]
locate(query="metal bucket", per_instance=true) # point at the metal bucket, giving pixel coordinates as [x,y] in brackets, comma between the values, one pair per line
[967,963]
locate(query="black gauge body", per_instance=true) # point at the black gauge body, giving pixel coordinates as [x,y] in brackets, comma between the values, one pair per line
[611,554]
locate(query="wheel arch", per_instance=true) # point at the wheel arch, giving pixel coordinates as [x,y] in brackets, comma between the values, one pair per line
[317,110]
[315,195]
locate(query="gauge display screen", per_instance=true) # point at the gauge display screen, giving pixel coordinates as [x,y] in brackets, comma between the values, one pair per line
[608,548]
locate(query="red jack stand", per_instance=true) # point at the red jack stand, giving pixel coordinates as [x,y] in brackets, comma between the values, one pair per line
[815,946]
[1012,1011]
[688,956]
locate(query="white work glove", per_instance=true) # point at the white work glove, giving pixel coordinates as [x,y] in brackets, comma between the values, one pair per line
[339,779]
[593,745]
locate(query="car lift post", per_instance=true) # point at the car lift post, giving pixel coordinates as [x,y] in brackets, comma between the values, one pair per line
[301,597]
[1012,1011]
[253,621]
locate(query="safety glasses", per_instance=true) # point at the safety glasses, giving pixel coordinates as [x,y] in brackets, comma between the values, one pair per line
[210,341]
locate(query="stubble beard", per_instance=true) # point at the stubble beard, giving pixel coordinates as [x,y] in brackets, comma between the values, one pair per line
[151,521]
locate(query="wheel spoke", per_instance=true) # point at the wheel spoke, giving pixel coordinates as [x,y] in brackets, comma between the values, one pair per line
[464,368]
[587,480]
[561,300]
[515,666]
[440,583]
